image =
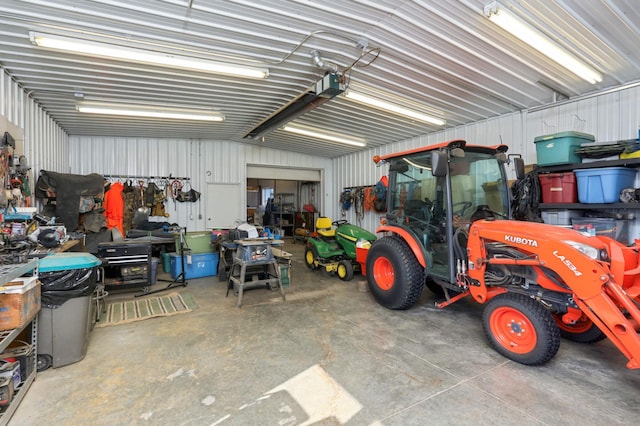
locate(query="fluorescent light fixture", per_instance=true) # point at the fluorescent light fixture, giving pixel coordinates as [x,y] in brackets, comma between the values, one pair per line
[322,134]
[151,112]
[397,109]
[520,29]
[113,51]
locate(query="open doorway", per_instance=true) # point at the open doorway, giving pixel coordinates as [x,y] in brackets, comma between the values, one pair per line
[294,195]
[283,205]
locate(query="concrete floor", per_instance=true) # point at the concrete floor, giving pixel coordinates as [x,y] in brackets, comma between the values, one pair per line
[329,355]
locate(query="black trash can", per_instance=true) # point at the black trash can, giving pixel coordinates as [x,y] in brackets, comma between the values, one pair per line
[68,283]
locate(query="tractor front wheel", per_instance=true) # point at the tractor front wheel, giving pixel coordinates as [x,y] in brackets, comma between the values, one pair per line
[394,275]
[345,270]
[311,257]
[521,329]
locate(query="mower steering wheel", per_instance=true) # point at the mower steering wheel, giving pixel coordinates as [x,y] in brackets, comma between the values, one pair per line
[339,222]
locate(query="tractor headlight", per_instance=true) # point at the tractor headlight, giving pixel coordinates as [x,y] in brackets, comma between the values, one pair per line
[588,250]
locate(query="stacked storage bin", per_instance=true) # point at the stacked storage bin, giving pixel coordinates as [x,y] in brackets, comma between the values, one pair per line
[585,185]
[200,258]
[559,188]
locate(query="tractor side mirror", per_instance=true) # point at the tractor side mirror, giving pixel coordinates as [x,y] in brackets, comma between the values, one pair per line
[439,163]
[518,164]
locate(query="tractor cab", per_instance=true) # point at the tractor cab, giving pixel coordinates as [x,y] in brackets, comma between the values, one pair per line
[436,192]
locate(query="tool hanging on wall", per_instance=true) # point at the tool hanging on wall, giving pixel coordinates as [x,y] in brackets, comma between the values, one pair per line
[358,203]
[188,196]
[175,187]
[142,212]
[346,198]
[152,192]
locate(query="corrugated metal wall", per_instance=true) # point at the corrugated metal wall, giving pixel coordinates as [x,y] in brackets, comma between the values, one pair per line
[609,116]
[45,143]
[203,161]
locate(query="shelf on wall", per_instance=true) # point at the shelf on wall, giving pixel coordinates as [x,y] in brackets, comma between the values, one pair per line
[627,162]
[587,206]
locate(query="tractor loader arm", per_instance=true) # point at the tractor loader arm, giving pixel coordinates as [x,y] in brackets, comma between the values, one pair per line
[600,274]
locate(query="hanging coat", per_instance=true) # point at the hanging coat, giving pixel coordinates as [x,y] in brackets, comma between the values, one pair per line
[114,207]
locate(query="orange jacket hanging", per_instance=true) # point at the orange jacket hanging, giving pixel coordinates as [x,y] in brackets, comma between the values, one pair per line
[114,207]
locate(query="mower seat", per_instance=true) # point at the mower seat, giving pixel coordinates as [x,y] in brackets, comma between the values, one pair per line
[323,227]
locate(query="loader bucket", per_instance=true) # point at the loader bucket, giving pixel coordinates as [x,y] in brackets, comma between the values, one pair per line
[625,266]
[616,310]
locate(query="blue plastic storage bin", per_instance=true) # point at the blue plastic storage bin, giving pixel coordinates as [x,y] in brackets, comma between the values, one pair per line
[201,265]
[603,185]
[559,148]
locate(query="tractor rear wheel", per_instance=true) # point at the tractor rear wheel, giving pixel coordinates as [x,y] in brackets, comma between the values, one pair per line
[583,331]
[345,270]
[394,275]
[521,329]
[311,257]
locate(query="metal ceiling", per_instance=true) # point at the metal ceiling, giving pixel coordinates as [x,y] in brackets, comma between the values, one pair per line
[442,57]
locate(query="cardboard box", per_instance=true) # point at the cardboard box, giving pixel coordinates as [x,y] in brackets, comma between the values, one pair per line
[19,302]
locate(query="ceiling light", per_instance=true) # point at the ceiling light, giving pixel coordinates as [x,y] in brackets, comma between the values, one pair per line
[387,106]
[326,135]
[113,51]
[517,27]
[151,112]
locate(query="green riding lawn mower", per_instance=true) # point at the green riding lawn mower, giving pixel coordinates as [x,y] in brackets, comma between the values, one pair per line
[333,247]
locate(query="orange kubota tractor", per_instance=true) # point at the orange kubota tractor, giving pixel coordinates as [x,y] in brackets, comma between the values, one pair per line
[448,228]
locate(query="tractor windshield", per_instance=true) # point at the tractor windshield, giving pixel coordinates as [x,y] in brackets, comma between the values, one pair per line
[420,203]
[477,180]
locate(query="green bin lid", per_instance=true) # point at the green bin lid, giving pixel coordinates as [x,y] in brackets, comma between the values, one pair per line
[569,134]
[66,261]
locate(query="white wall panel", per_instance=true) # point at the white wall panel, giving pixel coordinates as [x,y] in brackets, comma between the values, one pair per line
[203,161]
[608,116]
[45,144]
